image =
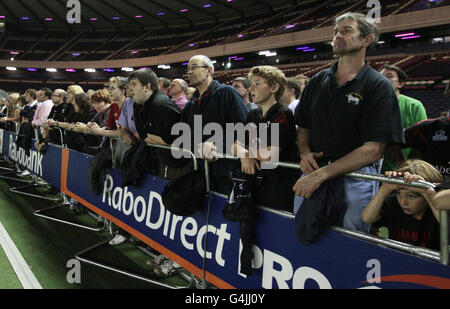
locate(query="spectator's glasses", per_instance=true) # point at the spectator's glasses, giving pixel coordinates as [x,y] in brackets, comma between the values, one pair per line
[192,68]
[410,196]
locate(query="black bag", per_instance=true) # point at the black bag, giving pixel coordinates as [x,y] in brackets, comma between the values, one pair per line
[184,196]
[97,170]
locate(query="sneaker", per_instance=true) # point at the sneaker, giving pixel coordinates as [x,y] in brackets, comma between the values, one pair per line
[79,209]
[167,268]
[157,260]
[41,182]
[119,239]
[25,173]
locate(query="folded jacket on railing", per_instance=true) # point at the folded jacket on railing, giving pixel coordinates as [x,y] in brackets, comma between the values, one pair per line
[240,208]
[97,170]
[321,211]
[184,195]
[137,162]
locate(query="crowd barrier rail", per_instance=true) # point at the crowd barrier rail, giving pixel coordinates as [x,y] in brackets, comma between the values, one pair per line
[209,247]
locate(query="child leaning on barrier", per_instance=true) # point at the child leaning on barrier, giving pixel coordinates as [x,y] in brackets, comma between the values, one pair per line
[438,198]
[407,212]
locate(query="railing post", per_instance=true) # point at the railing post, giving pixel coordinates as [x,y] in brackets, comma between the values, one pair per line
[444,237]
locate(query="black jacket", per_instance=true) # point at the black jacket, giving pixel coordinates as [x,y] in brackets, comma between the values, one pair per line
[220,104]
[97,170]
[240,208]
[321,211]
[24,137]
[136,163]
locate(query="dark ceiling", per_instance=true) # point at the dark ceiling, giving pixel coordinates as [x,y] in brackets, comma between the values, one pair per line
[100,15]
[45,30]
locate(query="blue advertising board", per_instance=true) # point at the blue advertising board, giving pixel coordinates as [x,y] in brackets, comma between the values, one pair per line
[46,166]
[279,261]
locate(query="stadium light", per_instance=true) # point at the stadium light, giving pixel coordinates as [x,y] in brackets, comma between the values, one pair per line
[267,53]
[164,66]
[411,37]
[399,35]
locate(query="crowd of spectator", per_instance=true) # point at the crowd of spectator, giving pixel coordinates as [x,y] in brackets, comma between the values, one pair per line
[346,118]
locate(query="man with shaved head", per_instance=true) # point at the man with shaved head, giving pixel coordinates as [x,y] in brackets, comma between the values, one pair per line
[177,91]
[59,99]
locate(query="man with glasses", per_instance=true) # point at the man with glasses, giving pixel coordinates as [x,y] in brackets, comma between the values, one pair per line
[215,103]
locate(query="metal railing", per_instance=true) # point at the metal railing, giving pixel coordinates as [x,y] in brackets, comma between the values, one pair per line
[442,256]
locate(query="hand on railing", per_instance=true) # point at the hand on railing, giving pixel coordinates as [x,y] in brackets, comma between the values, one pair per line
[81,127]
[51,123]
[128,138]
[433,198]
[207,151]
[308,163]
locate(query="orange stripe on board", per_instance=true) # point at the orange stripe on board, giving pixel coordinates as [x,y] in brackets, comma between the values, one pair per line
[432,281]
[64,169]
[186,264]
[173,256]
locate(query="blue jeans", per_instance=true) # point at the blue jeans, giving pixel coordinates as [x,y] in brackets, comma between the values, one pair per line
[358,194]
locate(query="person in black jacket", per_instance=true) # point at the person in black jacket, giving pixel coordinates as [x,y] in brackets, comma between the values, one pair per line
[81,109]
[63,118]
[102,104]
[215,103]
[267,86]
[155,114]
[26,132]
[49,134]
[59,99]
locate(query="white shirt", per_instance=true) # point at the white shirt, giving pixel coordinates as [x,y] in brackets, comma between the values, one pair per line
[293,105]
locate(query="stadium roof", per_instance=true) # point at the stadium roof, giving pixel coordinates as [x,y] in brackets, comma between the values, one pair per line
[138,15]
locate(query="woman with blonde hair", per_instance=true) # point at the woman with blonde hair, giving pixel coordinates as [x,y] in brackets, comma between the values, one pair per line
[12,113]
[69,112]
[406,211]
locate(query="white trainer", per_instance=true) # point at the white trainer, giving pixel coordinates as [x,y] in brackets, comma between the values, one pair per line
[119,239]
[25,173]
